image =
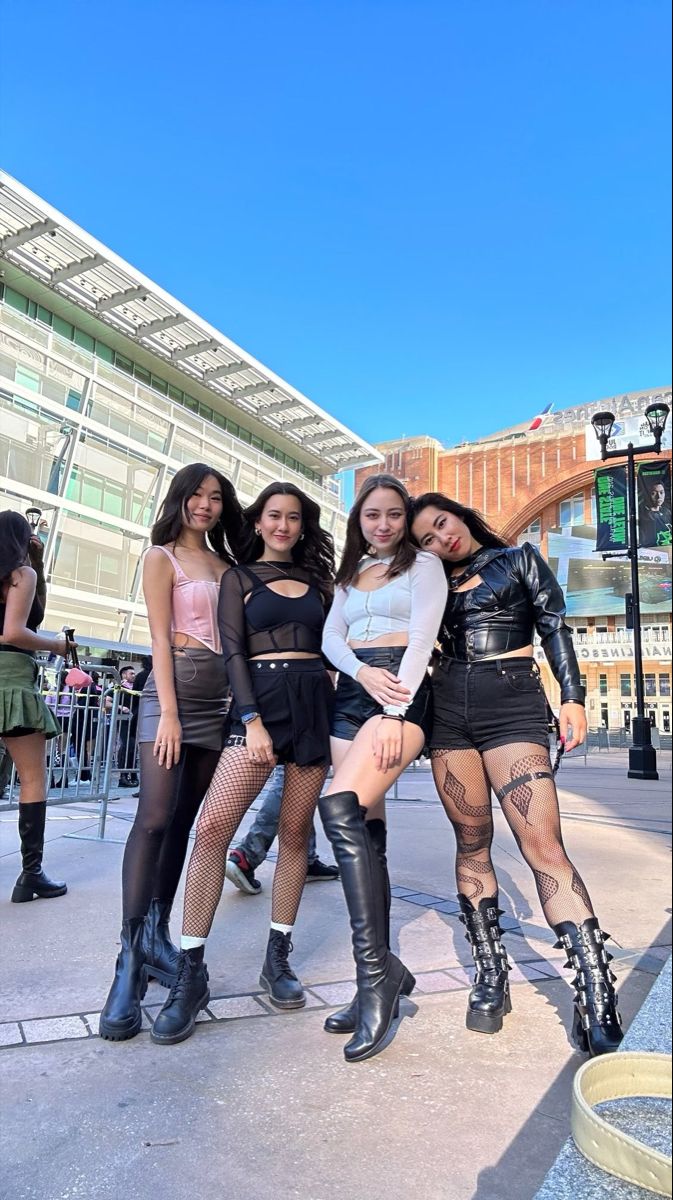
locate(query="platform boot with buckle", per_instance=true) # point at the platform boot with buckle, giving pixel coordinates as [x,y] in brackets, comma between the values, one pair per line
[489,999]
[277,977]
[381,977]
[122,1016]
[32,882]
[345,1019]
[597,1025]
[161,956]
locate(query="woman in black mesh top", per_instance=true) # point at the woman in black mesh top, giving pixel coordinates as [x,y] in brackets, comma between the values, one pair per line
[271,616]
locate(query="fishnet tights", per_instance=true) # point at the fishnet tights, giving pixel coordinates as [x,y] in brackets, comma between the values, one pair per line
[236,783]
[532,813]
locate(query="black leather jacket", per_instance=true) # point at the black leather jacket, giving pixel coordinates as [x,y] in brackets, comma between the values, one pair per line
[518,595]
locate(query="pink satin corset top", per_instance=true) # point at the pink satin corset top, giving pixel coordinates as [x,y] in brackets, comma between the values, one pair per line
[194,606]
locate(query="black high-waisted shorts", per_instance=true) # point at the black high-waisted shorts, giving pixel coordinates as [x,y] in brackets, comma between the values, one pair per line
[481,705]
[295,699]
[354,706]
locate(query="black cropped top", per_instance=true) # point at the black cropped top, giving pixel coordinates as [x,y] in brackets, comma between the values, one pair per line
[518,595]
[254,619]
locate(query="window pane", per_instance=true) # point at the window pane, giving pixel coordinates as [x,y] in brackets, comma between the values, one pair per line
[64,328]
[16,300]
[603,685]
[104,352]
[650,685]
[84,340]
[625,685]
[664,685]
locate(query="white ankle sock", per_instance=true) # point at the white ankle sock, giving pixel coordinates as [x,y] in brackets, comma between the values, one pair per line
[281,928]
[190,943]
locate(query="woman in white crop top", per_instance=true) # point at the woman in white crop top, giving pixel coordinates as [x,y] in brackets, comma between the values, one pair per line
[181,724]
[379,636]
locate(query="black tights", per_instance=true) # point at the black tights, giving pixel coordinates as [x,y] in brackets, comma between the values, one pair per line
[157,844]
[521,777]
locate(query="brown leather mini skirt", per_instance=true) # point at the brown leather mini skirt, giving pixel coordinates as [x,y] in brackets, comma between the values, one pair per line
[202,692]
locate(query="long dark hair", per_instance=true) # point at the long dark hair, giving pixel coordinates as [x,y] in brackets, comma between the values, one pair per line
[479,528]
[315,549]
[225,537]
[356,543]
[15,535]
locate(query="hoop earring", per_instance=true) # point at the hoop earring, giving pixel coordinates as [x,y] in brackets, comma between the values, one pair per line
[301,537]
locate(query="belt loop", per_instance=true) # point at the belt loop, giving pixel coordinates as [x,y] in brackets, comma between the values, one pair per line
[499,667]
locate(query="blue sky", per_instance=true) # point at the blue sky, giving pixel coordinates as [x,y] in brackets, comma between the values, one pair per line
[430,217]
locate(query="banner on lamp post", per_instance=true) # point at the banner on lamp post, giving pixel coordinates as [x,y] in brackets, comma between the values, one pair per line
[654,504]
[611,509]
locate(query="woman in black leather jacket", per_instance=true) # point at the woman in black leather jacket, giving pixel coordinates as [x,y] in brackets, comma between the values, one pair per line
[491,733]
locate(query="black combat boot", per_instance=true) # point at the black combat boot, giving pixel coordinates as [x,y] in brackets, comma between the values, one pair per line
[122,1017]
[345,1019]
[188,995]
[381,977]
[597,1026]
[277,977]
[32,882]
[489,999]
[161,956]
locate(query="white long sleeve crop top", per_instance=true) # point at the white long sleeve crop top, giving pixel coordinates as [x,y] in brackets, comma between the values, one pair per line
[412,603]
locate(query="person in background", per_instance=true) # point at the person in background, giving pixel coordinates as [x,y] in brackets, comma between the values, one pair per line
[249,854]
[26,722]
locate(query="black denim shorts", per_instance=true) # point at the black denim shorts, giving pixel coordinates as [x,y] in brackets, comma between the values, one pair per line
[481,705]
[354,706]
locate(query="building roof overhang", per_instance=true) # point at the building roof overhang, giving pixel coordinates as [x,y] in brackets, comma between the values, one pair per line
[47,246]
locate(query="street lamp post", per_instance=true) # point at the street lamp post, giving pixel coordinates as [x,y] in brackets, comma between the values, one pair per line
[642,754]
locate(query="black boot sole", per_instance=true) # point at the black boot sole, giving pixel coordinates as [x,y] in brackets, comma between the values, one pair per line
[406,988]
[481,1022]
[21,895]
[162,977]
[187,1030]
[283,1004]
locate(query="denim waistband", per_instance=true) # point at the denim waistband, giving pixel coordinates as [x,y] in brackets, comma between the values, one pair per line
[487,664]
[380,656]
[267,665]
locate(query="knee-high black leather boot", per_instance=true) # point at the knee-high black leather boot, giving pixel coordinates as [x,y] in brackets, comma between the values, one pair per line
[345,1019]
[32,881]
[381,977]
[489,998]
[121,1017]
[597,1027]
[161,956]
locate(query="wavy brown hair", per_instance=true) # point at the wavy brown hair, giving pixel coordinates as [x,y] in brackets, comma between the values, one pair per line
[356,543]
[315,549]
[479,528]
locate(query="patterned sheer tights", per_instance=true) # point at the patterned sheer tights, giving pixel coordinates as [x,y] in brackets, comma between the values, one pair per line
[156,847]
[236,783]
[521,777]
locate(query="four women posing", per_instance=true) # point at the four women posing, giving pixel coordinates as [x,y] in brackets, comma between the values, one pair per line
[247,601]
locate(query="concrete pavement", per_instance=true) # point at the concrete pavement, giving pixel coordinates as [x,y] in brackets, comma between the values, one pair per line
[259,1104]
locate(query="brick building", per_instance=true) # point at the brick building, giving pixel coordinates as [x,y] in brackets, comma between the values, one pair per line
[538,487]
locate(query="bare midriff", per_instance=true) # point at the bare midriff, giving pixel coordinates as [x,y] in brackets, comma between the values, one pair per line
[181,641]
[278,654]
[386,639]
[523,652]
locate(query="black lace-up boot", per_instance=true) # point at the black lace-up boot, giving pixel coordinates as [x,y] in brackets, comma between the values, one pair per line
[32,882]
[161,956]
[122,1017]
[489,998]
[188,995]
[278,978]
[597,1026]
[345,1019]
[381,977]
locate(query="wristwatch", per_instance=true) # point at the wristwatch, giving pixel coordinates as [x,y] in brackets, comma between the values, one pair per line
[247,717]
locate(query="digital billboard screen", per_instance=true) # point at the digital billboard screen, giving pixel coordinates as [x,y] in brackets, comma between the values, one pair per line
[594,588]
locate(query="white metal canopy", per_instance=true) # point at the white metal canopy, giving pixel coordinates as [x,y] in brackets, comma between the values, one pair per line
[40,241]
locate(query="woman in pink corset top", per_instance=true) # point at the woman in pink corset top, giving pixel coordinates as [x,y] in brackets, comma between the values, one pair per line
[181,724]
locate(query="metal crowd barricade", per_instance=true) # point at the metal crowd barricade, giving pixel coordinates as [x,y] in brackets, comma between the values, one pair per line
[97,741]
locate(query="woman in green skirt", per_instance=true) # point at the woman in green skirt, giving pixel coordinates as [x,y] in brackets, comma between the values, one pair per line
[26,723]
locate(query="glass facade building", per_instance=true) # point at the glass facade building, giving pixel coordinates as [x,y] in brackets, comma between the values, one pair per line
[93,425]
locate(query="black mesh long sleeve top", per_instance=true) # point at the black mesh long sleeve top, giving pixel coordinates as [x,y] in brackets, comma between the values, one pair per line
[255,619]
